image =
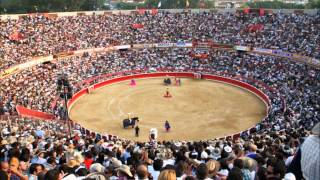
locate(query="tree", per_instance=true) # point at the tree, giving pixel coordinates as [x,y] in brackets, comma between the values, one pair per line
[313,4]
[273,5]
[32,6]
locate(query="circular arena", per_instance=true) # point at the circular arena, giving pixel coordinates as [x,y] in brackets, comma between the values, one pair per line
[239,90]
[219,108]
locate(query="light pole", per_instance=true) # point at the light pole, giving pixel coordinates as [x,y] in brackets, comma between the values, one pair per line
[64,90]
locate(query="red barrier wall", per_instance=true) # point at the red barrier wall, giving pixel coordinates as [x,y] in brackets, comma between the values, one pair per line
[41,115]
[237,83]
[22,111]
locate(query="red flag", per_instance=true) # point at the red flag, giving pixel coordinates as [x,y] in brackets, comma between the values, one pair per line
[199,55]
[137,26]
[154,11]
[246,10]
[255,27]
[142,11]
[261,12]
[16,36]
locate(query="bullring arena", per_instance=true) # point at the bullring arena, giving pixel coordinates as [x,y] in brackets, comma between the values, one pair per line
[248,101]
[198,109]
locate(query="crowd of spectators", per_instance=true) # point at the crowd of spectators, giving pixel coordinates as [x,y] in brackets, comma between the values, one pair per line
[33,149]
[40,35]
[283,145]
[294,110]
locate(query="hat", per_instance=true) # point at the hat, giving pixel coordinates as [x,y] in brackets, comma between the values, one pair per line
[71,146]
[72,163]
[178,144]
[216,153]
[287,150]
[204,155]
[289,176]
[12,139]
[40,152]
[227,149]
[125,169]
[211,165]
[97,175]
[96,167]
[4,142]
[78,157]
[316,129]
[115,163]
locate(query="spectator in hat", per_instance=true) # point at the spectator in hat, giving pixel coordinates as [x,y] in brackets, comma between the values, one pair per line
[97,167]
[213,167]
[124,172]
[39,158]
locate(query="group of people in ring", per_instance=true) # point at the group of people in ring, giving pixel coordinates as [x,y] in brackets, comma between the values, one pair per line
[166,126]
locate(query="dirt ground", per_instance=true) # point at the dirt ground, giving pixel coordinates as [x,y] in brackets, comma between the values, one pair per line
[199,109]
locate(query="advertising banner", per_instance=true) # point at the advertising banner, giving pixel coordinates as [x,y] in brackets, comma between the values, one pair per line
[137,46]
[137,26]
[63,54]
[242,48]
[164,45]
[183,44]
[282,54]
[35,61]
[122,47]
[9,71]
[222,46]
[262,50]
[142,46]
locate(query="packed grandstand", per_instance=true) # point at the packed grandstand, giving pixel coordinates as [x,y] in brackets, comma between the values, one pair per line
[277,53]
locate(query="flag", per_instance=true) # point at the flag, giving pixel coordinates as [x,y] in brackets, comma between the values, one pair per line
[246,10]
[159,4]
[154,11]
[187,4]
[16,36]
[142,11]
[255,27]
[137,26]
[261,12]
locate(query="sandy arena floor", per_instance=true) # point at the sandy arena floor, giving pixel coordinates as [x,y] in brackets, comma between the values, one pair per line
[199,109]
